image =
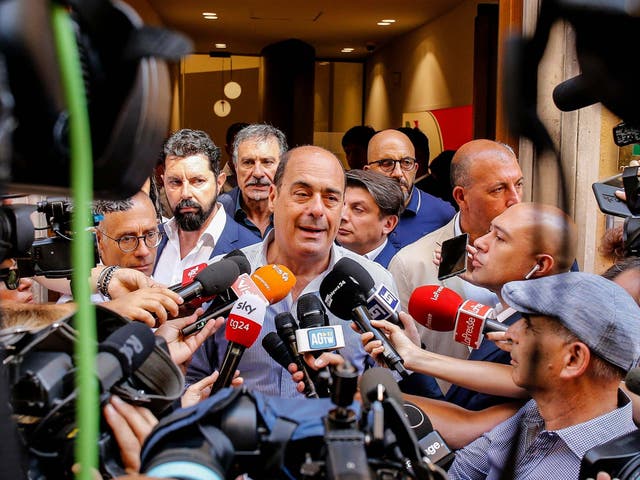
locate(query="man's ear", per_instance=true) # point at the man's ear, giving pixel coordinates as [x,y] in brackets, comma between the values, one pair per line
[272,196]
[576,358]
[390,222]
[99,242]
[222,177]
[458,194]
[546,263]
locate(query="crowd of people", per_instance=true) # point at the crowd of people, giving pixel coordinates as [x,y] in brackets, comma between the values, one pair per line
[530,400]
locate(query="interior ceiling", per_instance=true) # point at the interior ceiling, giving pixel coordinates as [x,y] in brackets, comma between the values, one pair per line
[247,26]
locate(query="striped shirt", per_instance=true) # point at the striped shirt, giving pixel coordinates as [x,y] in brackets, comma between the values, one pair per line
[540,454]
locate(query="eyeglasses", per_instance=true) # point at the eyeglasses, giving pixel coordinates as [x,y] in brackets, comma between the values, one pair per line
[10,277]
[388,165]
[128,243]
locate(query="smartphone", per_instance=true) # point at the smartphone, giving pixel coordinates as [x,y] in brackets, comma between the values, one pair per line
[605,192]
[453,259]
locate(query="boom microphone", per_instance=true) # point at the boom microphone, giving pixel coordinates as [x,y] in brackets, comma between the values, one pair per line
[272,282]
[573,94]
[242,329]
[441,309]
[123,352]
[214,279]
[346,299]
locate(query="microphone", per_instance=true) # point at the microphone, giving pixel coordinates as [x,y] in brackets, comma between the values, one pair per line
[277,350]
[632,380]
[430,441]
[239,258]
[214,279]
[441,309]
[286,327]
[573,94]
[315,335]
[346,299]
[122,353]
[190,273]
[271,282]
[242,330]
[381,302]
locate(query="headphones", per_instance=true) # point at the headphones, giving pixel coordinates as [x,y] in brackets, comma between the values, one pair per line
[535,268]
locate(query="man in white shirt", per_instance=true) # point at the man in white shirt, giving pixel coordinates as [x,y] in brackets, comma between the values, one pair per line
[200,228]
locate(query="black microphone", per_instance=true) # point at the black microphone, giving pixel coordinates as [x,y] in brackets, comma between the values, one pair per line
[214,279]
[573,94]
[286,327]
[123,352]
[277,350]
[239,258]
[346,299]
[311,312]
[431,442]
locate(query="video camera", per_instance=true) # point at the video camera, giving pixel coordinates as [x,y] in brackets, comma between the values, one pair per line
[132,363]
[237,431]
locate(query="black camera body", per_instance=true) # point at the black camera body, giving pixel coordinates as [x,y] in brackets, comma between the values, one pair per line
[619,457]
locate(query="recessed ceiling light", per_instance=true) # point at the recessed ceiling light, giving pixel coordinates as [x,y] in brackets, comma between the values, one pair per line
[209,13]
[347,50]
[211,17]
[390,20]
[221,45]
[384,23]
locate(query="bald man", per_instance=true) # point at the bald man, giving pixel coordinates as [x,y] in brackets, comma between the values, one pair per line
[526,241]
[391,153]
[486,180]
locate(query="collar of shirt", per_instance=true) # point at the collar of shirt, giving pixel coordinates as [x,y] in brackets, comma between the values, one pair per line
[213,230]
[582,437]
[457,229]
[240,216]
[376,251]
[413,207]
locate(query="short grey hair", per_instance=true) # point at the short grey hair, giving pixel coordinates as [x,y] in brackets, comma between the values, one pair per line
[259,132]
[102,207]
[386,192]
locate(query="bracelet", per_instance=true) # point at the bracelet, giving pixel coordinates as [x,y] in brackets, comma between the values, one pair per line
[105,278]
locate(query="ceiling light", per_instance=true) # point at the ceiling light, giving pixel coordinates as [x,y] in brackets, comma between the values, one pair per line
[390,20]
[221,45]
[384,23]
[209,13]
[347,50]
[211,17]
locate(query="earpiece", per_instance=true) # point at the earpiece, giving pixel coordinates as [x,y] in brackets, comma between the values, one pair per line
[535,268]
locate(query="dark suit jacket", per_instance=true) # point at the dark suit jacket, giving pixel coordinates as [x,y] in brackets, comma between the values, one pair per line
[387,253]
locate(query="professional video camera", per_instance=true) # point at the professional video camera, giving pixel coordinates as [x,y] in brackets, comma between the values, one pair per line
[237,431]
[132,363]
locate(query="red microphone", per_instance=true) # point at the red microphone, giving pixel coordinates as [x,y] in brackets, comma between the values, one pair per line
[441,309]
[242,329]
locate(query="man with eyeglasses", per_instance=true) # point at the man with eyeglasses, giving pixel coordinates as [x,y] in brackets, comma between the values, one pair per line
[391,152]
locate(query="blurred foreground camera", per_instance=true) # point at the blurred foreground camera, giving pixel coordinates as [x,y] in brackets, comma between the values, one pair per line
[131,362]
[619,457]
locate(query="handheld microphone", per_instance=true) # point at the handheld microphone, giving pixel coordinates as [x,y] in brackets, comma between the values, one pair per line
[122,353]
[242,329]
[430,441]
[441,309]
[277,350]
[286,327]
[346,299]
[272,282]
[315,335]
[214,279]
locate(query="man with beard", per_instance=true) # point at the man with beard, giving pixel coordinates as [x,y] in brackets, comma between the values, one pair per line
[256,154]
[391,153]
[200,228]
